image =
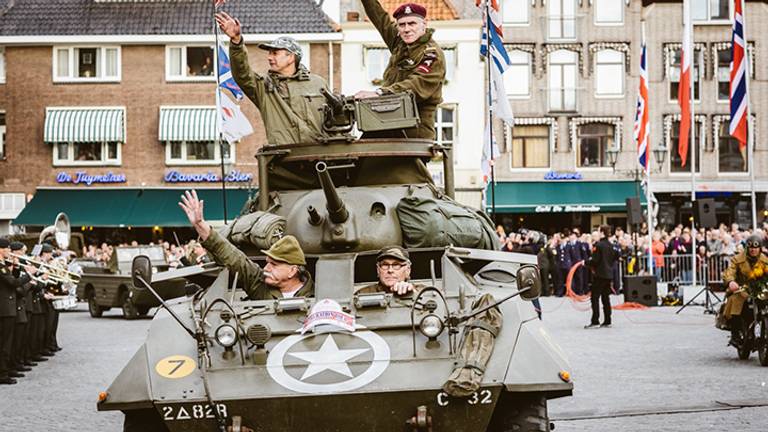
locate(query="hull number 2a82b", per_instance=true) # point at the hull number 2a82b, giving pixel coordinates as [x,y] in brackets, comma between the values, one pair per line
[483,397]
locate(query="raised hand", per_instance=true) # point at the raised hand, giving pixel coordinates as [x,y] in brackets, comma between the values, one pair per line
[193,208]
[230,26]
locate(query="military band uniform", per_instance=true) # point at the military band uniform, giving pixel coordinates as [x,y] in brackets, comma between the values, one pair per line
[224,253]
[20,340]
[418,67]
[9,281]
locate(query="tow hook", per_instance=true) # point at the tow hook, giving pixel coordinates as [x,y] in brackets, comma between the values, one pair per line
[421,422]
[237,425]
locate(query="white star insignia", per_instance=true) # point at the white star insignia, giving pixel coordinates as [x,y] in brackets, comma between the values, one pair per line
[328,357]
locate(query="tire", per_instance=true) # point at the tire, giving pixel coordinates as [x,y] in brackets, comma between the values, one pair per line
[762,341]
[145,420]
[521,412]
[746,345]
[142,310]
[129,309]
[93,308]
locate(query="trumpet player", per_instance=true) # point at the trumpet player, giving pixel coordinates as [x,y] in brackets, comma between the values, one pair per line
[50,343]
[10,279]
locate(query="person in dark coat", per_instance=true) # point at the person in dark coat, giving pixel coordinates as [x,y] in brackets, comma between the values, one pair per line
[20,341]
[564,263]
[10,279]
[577,254]
[601,263]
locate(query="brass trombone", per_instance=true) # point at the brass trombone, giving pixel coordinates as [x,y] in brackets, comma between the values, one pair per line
[51,276]
[52,270]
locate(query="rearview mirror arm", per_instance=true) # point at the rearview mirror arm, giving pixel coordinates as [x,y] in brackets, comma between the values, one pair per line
[165,305]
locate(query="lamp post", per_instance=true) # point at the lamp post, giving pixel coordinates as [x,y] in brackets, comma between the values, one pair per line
[660,154]
[613,156]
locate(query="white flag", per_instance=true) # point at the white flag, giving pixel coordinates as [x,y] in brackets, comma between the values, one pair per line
[232,122]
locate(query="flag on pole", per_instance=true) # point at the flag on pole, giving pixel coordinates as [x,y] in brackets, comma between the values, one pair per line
[232,122]
[226,81]
[739,97]
[641,115]
[499,57]
[684,89]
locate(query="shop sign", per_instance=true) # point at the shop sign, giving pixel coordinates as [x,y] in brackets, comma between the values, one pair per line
[567,208]
[82,177]
[234,176]
[555,175]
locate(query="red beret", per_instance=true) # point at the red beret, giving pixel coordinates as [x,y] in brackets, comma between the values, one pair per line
[407,9]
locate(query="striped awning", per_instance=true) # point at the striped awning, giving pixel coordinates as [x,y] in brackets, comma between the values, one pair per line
[84,125]
[187,124]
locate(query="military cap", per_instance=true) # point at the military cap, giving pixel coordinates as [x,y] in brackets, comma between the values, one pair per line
[283,42]
[755,241]
[395,252]
[47,248]
[286,250]
[17,246]
[408,9]
[4,243]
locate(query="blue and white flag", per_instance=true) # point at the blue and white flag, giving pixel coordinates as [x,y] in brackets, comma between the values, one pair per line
[233,125]
[226,81]
[498,55]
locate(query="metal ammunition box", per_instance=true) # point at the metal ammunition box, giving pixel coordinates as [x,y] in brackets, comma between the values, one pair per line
[395,111]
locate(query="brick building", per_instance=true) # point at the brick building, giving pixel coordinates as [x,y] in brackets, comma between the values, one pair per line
[120,95]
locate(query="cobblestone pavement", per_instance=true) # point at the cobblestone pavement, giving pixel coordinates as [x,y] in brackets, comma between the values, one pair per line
[651,361]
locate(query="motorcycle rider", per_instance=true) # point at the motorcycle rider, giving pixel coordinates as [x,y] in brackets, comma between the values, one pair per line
[734,277]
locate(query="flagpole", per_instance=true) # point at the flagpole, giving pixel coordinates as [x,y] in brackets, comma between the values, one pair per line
[218,139]
[750,131]
[490,108]
[648,160]
[693,150]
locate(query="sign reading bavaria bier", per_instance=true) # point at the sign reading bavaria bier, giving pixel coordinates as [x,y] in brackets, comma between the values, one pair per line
[234,176]
[82,177]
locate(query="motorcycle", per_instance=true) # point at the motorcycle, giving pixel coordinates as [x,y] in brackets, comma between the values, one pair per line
[753,333]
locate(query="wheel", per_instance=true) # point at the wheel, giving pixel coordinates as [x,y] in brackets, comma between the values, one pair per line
[745,349]
[129,309]
[521,412]
[142,310]
[145,420]
[762,342]
[93,308]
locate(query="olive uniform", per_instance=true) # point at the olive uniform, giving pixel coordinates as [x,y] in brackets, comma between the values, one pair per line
[738,271]
[223,252]
[418,68]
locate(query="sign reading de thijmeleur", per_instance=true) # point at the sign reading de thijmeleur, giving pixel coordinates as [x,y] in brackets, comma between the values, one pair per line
[234,176]
[82,177]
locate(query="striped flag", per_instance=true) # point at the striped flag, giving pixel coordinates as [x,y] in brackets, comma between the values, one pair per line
[684,90]
[500,60]
[739,97]
[226,81]
[641,115]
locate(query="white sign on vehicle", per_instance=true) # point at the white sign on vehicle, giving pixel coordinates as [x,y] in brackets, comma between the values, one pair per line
[327,369]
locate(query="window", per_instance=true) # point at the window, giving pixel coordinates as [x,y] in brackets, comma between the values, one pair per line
[196,153]
[86,153]
[2,65]
[609,12]
[711,10]
[731,157]
[376,60]
[2,135]
[672,145]
[674,73]
[305,57]
[450,62]
[515,12]
[530,146]
[86,64]
[562,80]
[190,63]
[446,125]
[517,79]
[609,73]
[561,18]
[593,142]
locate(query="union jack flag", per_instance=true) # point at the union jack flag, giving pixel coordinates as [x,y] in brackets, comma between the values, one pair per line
[641,115]
[739,98]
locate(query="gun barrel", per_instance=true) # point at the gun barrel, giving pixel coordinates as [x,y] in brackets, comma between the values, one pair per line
[336,102]
[337,211]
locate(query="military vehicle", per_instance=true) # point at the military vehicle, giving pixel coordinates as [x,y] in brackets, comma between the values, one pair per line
[105,286]
[346,361]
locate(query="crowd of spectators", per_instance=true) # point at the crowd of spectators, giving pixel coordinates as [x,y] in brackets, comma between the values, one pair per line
[176,255]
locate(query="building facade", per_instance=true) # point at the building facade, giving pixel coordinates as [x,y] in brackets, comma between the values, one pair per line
[573,87]
[126,101]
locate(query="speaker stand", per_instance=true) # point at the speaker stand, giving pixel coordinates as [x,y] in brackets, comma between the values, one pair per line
[709,304]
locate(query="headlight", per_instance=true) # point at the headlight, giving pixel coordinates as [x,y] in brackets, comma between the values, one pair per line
[226,335]
[431,326]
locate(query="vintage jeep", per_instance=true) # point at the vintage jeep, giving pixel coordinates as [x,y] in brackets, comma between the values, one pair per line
[107,286]
[220,361]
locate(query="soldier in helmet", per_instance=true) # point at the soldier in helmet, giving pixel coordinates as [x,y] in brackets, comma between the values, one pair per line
[285,274]
[737,275]
[417,63]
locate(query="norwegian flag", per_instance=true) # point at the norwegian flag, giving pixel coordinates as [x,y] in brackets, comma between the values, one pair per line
[226,80]
[641,115]
[739,98]
[498,54]
[684,90]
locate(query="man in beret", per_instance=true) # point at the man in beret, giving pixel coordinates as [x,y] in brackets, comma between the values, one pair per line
[285,274]
[393,267]
[417,63]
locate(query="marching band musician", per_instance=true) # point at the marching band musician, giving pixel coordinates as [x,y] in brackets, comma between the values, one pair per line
[20,340]
[51,315]
[10,279]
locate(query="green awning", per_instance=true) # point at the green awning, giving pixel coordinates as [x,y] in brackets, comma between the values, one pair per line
[563,196]
[84,125]
[125,207]
[187,124]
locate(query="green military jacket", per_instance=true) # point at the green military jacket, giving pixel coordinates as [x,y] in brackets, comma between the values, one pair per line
[291,107]
[225,253]
[738,271]
[418,67]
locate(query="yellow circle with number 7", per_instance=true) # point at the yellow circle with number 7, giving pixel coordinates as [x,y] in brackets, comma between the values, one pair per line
[175,366]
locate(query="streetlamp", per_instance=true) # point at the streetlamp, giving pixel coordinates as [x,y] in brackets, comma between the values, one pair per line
[613,155]
[660,154]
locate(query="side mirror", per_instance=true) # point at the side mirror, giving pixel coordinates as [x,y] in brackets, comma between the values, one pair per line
[141,268]
[528,277]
